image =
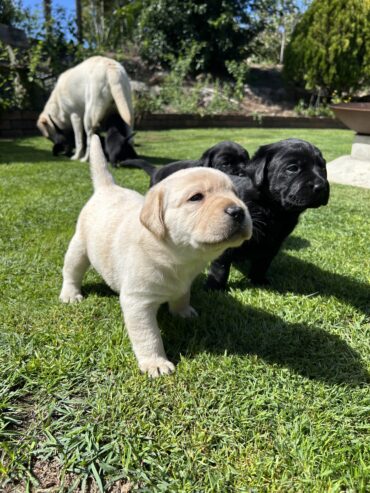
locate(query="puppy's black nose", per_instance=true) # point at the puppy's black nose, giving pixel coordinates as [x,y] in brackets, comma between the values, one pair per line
[236,213]
[318,186]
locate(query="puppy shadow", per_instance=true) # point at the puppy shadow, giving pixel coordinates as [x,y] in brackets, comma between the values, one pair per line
[296,243]
[226,325]
[99,288]
[290,274]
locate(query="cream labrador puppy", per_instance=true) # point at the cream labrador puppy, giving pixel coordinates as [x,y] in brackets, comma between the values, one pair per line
[83,96]
[149,249]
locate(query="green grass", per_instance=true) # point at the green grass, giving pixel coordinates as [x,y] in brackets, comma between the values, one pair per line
[271,387]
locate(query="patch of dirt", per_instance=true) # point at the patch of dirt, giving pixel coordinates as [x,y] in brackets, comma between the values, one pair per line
[51,480]
[266,92]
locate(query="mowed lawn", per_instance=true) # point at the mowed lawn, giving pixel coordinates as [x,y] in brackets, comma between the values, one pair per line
[271,390]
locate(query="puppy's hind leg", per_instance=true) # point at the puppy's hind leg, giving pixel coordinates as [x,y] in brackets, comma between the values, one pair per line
[145,336]
[76,263]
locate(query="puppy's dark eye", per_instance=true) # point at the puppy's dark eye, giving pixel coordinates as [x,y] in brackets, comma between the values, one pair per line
[196,198]
[293,168]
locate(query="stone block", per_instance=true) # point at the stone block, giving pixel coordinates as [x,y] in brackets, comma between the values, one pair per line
[361,147]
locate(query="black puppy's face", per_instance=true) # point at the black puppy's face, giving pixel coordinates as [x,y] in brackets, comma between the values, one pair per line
[64,142]
[294,174]
[227,156]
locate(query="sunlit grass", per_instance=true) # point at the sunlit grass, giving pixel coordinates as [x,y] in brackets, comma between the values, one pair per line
[271,387]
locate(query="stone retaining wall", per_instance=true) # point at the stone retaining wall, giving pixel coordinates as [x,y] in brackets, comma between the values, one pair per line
[18,124]
[168,121]
[23,123]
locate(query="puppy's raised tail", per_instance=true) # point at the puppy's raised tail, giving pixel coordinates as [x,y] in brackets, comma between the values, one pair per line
[100,174]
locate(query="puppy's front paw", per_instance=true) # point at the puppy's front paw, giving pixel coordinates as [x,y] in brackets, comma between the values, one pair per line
[212,284]
[76,156]
[259,281]
[155,367]
[70,295]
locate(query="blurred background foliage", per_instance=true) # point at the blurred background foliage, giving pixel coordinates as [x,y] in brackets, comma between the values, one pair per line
[324,46]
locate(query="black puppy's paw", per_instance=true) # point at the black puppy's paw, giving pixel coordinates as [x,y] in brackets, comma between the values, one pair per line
[259,281]
[212,284]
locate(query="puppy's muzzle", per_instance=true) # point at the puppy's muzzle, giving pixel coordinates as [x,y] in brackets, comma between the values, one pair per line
[237,213]
[242,223]
[320,192]
[318,186]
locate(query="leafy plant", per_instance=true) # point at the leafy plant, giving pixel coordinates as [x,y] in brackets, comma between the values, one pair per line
[304,109]
[180,94]
[330,47]
[239,72]
[8,98]
[224,30]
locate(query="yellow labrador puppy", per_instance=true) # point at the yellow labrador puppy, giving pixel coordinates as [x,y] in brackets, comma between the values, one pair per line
[83,96]
[149,249]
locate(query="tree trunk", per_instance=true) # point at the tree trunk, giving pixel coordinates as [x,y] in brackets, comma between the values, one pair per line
[47,15]
[282,46]
[79,21]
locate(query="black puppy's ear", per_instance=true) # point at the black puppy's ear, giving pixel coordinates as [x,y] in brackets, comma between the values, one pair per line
[262,158]
[207,158]
[259,162]
[259,175]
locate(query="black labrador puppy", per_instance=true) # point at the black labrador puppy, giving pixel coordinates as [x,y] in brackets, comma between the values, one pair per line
[226,156]
[64,140]
[116,143]
[280,182]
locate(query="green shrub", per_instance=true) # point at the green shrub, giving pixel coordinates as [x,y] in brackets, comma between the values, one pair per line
[330,47]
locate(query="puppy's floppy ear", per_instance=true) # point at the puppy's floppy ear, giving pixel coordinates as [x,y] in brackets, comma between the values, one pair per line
[152,212]
[260,160]
[260,171]
[260,165]
[207,158]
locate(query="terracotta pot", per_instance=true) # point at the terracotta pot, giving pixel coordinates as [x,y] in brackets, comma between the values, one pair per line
[355,115]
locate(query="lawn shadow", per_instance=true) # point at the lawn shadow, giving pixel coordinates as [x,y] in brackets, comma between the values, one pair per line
[295,243]
[99,288]
[291,274]
[226,325]
[16,152]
